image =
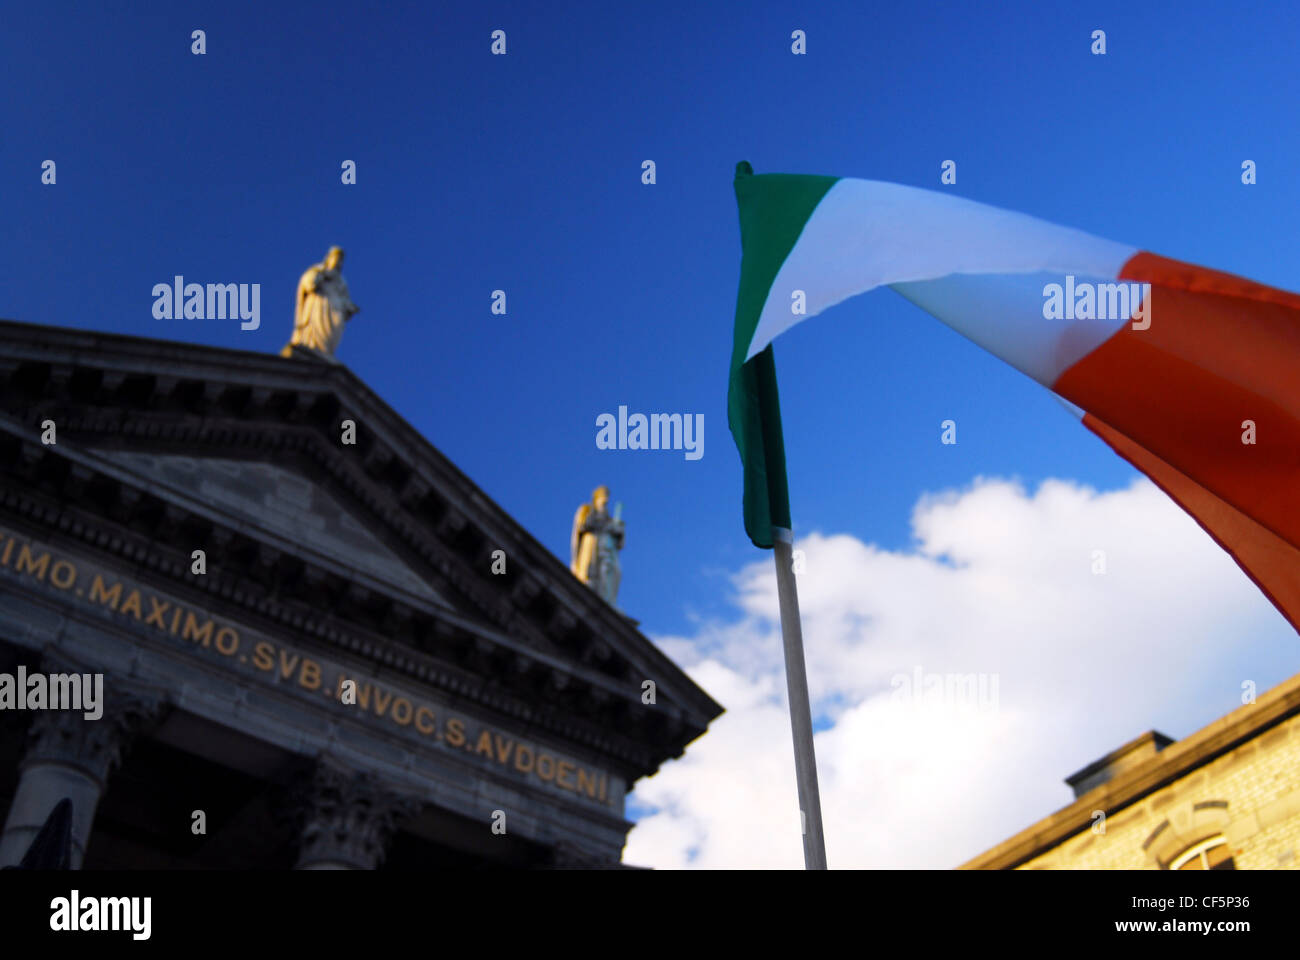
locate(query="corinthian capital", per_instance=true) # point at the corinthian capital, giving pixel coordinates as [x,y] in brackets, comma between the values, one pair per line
[347,818]
[94,747]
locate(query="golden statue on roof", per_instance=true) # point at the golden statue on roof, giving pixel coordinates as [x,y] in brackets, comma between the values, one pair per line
[324,306]
[594,545]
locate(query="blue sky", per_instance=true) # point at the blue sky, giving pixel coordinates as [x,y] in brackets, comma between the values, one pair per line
[522,173]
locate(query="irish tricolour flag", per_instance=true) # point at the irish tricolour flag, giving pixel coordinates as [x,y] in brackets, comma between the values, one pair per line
[1191,375]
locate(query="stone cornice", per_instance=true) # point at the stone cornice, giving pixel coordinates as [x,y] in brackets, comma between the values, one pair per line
[449,656]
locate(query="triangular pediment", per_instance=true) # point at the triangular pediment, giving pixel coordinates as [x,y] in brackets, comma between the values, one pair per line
[282,503]
[380,547]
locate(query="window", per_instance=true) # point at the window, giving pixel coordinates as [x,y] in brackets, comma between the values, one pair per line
[1209,854]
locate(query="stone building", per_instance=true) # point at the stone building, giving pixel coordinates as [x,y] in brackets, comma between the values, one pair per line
[1225,798]
[307,657]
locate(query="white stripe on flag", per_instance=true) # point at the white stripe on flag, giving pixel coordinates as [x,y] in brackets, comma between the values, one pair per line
[867,233]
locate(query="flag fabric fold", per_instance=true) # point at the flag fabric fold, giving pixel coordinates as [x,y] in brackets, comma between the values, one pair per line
[1190,374]
[773,211]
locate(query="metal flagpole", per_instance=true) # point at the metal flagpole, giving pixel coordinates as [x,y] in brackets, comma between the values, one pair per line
[796,679]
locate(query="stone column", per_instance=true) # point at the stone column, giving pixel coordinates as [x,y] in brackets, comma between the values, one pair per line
[70,756]
[347,819]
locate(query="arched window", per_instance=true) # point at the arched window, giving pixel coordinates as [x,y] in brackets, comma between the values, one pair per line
[1212,853]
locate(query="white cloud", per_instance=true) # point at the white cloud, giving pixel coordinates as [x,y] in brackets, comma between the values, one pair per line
[999,583]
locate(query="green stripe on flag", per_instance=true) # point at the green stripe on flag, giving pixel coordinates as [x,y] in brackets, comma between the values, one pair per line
[773,210]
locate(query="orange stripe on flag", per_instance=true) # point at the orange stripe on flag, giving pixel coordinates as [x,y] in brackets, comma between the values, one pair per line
[1176,275]
[1268,560]
[1220,350]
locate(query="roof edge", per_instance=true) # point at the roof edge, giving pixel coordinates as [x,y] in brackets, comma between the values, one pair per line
[1170,764]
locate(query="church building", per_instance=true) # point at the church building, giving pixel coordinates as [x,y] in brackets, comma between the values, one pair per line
[318,643]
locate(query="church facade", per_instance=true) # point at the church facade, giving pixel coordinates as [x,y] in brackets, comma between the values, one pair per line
[320,644]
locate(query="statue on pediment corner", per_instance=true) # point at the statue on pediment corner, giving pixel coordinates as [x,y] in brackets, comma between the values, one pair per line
[594,545]
[323,307]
